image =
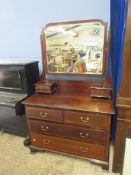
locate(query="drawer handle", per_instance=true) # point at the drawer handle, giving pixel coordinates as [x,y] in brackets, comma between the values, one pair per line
[44,128]
[85,120]
[85,150]
[46,141]
[84,135]
[43,115]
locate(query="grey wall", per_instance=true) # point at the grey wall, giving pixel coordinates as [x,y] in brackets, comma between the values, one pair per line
[21,21]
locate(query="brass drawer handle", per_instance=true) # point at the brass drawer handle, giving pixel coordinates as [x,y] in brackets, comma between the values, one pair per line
[85,120]
[84,135]
[44,128]
[46,141]
[84,149]
[43,115]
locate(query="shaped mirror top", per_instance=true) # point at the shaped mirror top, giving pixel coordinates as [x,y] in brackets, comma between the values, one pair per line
[75,47]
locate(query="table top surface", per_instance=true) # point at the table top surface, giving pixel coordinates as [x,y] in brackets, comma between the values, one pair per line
[68,102]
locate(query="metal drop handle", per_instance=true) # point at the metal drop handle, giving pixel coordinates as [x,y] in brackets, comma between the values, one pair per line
[85,120]
[46,141]
[44,128]
[43,115]
[84,149]
[84,135]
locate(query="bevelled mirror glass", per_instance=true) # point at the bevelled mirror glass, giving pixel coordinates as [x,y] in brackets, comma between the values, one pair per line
[75,47]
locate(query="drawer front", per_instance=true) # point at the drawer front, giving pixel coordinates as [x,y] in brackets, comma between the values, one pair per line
[77,133]
[41,88]
[101,92]
[44,114]
[86,119]
[124,114]
[68,146]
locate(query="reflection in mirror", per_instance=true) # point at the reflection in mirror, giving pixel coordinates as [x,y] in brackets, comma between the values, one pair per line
[75,48]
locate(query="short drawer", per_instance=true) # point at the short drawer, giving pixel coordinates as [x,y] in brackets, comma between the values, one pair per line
[101,92]
[86,119]
[79,148]
[42,88]
[44,114]
[45,87]
[67,131]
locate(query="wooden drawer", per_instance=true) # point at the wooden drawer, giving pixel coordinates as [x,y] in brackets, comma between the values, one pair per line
[101,92]
[86,119]
[68,146]
[44,114]
[124,114]
[45,87]
[42,88]
[78,133]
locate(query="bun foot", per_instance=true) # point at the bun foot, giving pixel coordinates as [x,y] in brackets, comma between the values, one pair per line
[27,142]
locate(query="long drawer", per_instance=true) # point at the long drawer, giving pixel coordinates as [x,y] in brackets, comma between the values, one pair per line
[78,133]
[86,119]
[44,114]
[68,146]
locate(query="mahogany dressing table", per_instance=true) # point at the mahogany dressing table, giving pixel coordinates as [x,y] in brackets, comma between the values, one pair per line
[71,120]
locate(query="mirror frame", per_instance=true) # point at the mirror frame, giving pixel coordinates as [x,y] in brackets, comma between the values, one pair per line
[44,55]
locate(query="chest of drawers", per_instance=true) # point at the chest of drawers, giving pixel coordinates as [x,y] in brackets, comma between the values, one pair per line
[76,126]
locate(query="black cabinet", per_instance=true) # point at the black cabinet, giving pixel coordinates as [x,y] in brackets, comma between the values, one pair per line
[17,79]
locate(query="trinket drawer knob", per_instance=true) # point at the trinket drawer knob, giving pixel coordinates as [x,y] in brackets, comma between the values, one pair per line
[99,92]
[42,88]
